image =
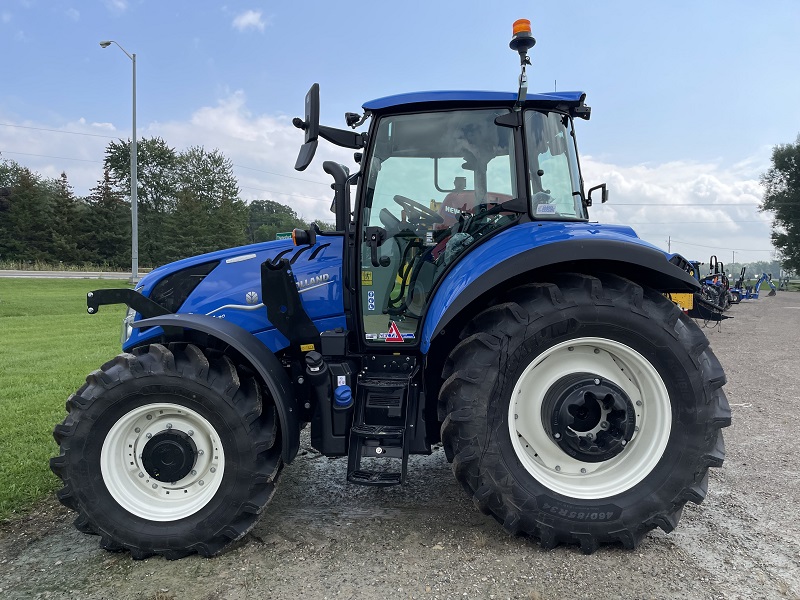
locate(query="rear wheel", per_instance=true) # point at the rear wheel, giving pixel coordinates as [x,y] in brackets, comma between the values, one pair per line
[168,451]
[584,411]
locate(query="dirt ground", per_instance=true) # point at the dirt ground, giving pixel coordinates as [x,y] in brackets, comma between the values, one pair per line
[321,538]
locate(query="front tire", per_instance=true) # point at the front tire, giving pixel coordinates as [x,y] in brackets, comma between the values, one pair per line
[168,451]
[584,411]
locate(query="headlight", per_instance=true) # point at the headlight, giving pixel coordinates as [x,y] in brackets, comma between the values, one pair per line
[127,328]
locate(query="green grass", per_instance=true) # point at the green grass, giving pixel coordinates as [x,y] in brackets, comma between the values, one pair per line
[48,344]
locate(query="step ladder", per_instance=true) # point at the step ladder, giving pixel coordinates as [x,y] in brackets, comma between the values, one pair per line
[386,405]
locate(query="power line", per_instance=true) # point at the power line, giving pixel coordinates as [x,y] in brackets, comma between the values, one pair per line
[111,137]
[281,175]
[48,156]
[689,222]
[667,204]
[274,192]
[722,248]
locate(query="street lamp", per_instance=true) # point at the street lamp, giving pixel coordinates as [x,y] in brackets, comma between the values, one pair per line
[134,203]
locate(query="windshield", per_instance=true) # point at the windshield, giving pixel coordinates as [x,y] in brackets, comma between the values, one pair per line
[437,182]
[553,163]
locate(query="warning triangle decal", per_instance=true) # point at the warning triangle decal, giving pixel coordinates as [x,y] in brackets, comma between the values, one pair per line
[394,334]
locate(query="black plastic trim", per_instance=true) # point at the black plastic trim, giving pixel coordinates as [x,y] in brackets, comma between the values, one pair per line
[141,304]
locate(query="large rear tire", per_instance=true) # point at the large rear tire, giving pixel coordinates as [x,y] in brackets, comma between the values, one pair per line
[168,451]
[587,411]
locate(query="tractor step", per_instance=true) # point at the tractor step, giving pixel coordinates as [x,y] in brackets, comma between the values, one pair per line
[385,401]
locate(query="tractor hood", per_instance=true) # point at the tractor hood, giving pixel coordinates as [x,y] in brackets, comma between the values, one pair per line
[227,285]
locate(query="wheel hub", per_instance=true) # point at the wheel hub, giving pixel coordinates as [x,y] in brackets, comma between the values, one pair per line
[169,455]
[590,418]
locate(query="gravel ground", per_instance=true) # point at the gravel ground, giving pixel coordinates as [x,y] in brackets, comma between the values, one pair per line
[322,539]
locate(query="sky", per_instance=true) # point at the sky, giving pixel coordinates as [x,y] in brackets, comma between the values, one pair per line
[688,97]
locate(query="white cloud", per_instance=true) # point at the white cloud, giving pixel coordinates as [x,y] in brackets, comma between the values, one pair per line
[5,17]
[250,19]
[697,209]
[117,5]
[73,13]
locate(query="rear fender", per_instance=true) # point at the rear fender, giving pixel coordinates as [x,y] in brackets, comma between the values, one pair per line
[262,360]
[492,267]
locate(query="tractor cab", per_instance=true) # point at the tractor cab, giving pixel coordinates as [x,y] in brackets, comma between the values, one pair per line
[441,172]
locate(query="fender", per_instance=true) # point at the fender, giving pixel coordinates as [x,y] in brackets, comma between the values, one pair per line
[562,246]
[258,355]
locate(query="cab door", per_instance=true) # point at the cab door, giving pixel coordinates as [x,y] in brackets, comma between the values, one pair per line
[431,190]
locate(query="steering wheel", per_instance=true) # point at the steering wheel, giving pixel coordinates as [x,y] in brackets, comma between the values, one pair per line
[418,212]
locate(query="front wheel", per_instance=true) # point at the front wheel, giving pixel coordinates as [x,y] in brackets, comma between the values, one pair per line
[168,451]
[586,411]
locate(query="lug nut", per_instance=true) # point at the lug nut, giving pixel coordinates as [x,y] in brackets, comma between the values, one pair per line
[597,382]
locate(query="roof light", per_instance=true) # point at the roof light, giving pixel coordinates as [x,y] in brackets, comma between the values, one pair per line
[521,25]
[522,40]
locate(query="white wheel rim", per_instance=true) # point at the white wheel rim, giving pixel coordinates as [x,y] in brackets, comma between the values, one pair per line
[547,462]
[131,485]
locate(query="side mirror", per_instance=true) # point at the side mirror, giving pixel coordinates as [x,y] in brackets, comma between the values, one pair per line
[311,128]
[603,196]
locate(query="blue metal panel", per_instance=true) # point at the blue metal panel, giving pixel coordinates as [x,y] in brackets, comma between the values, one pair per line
[512,242]
[232,291]
[469,96]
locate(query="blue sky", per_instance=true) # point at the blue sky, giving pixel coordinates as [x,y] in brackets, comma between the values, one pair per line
[688,98]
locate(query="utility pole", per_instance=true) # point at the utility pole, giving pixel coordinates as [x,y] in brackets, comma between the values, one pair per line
[669,244]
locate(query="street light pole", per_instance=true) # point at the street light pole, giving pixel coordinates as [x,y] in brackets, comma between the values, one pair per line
[134,186]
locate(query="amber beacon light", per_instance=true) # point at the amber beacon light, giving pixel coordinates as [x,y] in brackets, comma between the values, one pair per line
[523,39]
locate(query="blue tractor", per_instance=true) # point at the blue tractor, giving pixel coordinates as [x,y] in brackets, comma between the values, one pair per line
[464,299]
[743,291]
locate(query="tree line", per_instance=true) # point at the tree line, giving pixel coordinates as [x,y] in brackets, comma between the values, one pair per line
[188,203]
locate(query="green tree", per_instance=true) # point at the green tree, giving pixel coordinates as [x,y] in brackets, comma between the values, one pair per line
[27,219]
[106,235]
[208,213]
[782,196]
[64,223]
[267,218]
[156,190]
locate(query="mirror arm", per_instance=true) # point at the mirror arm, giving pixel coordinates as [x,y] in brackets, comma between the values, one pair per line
[341,137]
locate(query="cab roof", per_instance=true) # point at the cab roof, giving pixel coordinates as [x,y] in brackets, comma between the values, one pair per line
[454,97]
